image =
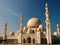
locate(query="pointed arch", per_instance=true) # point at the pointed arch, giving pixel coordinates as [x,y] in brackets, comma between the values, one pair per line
[28,39]
[43,41]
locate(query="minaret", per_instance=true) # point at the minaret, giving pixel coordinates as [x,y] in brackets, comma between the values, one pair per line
[21,22]
[48,27]
[21,28]
[58,30]
[5,31]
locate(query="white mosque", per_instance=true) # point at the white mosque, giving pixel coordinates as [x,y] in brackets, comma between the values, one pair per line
[34,32]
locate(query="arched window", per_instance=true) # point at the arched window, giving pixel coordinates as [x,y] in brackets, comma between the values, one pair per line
[29,40]
[33,40]
[32,31]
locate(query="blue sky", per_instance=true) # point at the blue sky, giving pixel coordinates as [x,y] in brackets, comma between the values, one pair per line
[10,12]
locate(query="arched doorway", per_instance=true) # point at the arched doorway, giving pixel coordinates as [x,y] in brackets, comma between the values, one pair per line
[24,41]
[29,40]
[43,40]
[33,40]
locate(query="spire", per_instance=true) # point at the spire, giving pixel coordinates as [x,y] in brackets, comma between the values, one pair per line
[21,14]
[48,27]
[5,28]
[47,10]
[58,30]
[57,27]
[5,31]
[46,6]
[21,22]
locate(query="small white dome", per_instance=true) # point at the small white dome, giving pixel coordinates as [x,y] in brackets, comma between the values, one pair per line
[40,26]
[16,34]
[25,28]
[55,33]
[12,34]
[38,29]
[44,32]
[28,31]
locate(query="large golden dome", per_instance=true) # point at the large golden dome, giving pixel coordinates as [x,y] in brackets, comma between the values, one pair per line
[33,22]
